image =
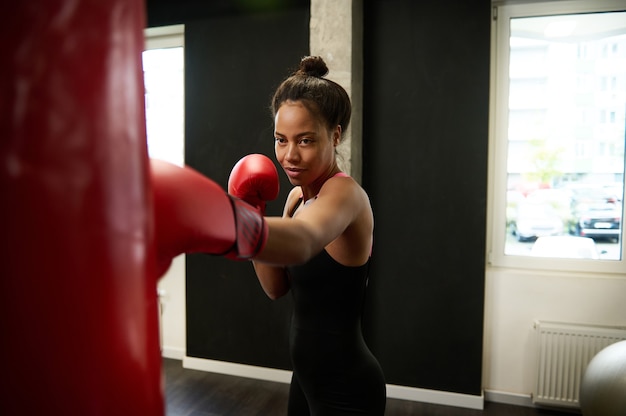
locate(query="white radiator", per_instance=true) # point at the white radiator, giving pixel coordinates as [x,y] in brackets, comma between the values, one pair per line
[563,352]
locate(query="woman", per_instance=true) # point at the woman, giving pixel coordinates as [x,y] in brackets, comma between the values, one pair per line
[325,235]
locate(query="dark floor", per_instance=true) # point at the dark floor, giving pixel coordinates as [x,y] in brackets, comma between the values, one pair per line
[199,393]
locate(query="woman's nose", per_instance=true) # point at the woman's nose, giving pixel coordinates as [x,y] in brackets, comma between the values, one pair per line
[291,153]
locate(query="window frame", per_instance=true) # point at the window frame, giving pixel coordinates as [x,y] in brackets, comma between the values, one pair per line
[503,11]
[164,37]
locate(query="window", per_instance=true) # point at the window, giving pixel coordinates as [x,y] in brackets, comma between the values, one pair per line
[163,68]
[558,110]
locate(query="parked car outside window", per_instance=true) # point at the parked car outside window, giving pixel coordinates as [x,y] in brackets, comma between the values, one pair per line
[536,220]
[600,221]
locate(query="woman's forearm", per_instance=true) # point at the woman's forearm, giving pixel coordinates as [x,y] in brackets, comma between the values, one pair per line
[273,279]
[289,242]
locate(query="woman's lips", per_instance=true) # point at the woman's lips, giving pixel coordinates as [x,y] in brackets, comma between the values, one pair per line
[293,172]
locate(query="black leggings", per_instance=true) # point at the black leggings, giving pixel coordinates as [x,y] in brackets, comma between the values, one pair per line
[358,390]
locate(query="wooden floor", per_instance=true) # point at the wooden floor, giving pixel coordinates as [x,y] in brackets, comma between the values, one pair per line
[198,393]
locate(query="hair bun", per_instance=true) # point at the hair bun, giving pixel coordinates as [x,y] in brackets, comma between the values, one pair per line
[313,66]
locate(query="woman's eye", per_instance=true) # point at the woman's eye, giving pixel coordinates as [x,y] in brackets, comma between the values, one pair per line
[305,141]
[279,140]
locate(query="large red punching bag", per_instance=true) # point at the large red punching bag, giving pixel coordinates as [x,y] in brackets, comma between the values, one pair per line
[79,324]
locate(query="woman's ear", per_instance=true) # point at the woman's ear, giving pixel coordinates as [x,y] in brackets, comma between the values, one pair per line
[337,136]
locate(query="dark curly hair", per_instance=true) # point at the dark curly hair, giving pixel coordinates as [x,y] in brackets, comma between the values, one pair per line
[326,99]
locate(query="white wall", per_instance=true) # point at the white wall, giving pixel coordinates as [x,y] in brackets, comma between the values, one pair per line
[171,289]
[514,299]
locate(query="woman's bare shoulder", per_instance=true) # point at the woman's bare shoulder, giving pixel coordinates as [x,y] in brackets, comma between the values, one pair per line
[345,186]
[292,198]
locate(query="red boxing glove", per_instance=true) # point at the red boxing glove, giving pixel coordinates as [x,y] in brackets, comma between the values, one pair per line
[254,179]
[193,214]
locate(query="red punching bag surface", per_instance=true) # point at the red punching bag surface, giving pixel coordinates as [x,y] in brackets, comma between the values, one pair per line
[79,323]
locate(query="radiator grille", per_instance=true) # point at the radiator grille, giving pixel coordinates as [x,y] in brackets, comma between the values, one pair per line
[563,352]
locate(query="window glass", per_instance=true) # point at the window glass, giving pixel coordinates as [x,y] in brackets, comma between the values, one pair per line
[163,67]
[561,129]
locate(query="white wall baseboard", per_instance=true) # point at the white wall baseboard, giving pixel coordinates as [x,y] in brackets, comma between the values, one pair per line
[444,398]
[173,352]
[284,376]
[509,398]
[240,370]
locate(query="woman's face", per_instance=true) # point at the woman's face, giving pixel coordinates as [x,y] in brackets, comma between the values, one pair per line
[303,145]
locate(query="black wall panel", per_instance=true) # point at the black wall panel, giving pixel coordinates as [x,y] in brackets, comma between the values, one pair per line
[425,168]
[232,66]
[170,12]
